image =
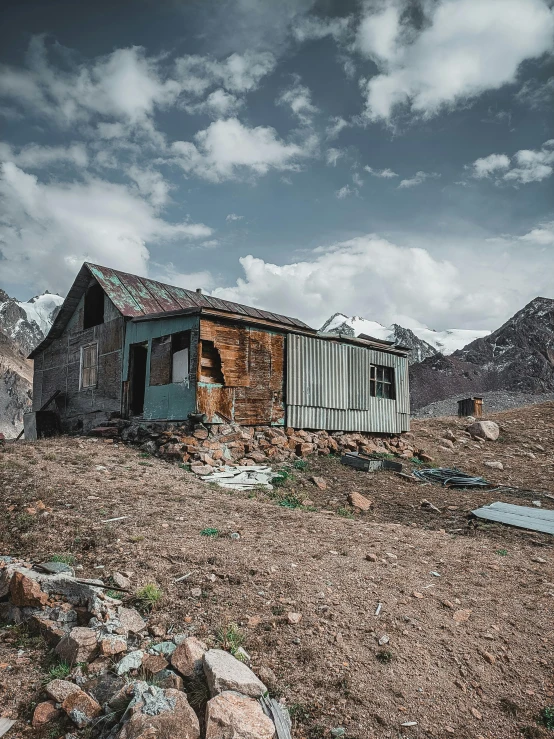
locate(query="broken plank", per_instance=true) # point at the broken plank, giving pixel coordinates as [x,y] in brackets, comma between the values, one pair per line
[5,725]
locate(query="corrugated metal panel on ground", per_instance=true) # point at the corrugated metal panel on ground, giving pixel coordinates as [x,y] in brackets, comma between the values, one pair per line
[523,517]
[328,387]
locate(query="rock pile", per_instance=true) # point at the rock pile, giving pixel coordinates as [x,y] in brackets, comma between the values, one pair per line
[121,684]
[207,448]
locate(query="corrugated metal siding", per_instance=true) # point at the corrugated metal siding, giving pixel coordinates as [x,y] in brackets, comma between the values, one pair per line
[328,387]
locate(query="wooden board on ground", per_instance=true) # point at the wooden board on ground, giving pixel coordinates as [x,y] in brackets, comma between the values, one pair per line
[534,519]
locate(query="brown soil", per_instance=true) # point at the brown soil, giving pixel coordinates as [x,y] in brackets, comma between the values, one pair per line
[489,676]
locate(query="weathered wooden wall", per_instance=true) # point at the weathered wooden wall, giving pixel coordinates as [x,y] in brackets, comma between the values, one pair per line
[171,401]
[57,368]
[250,362]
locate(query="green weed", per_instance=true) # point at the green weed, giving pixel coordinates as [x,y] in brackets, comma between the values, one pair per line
[210,532]
[280,478]
[502,552]
[24,521]
[384,657]
[229,637]
[547,717]
[345,513]
[66,559]
[59,671]
[300,464]
[114,594]
[148,597]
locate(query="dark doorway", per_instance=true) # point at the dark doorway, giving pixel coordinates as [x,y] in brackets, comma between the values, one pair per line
[139,354]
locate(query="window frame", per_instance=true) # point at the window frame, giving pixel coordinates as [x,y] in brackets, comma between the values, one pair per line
[94,366]
[381,379]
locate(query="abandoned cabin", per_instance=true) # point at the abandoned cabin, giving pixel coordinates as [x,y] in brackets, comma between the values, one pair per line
[131,347]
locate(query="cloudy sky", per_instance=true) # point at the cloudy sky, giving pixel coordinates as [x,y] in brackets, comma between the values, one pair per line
[391,158]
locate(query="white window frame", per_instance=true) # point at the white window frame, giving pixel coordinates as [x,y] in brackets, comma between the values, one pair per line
[95,366]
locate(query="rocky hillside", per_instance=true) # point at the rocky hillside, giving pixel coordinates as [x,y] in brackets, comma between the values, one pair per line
[22,326]
[423,342]
[519,357]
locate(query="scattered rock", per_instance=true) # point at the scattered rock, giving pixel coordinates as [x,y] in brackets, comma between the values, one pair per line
[196,592]
[462,616]
[155,712]
[294,618]
[59,690]
[112,645]
[44,713]
[152,664]
[488,430]
[224,672]
[490,658]
[476,713]
[187,658]
[25,591]
[131,620]
[359,501]
[80,645]
[371,557]
[319,482]
[120,581]
[231,714]
[493,464]
[131,661]
[81,708]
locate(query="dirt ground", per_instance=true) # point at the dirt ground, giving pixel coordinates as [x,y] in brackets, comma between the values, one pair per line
[469,652]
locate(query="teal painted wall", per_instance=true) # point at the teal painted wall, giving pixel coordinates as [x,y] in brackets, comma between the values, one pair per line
[176,400]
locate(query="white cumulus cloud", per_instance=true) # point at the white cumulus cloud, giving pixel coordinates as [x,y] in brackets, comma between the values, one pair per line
[418,179]
[526,165]
[464,48]
[228,149]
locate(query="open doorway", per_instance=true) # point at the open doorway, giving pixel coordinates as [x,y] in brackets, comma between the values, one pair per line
[137,385]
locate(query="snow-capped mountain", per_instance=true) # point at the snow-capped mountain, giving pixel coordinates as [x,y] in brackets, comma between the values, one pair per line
[422,341]
[27,323]
[518,357]
[22,326]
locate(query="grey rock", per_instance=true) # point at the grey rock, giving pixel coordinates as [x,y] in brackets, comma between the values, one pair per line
[224,672]
[131,661]
[165,648]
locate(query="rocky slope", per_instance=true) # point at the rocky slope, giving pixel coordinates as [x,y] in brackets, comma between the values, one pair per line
[422,341]
[517,357]
[22,326]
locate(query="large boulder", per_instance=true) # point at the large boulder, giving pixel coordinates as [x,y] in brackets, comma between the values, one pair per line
[154,712]
[224,672]
[488,430]
[231,715]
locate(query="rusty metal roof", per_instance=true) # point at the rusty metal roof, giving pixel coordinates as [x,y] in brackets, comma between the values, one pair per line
[137,297]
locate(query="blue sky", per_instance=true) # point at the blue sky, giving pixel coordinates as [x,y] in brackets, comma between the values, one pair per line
[386,158]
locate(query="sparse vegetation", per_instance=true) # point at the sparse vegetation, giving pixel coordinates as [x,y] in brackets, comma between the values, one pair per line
[384,657]
[58,671]
[148,597]
[502,552]
[547,717]
[210,532]
[345,512]
[66,559]
[229,637]
[300,464]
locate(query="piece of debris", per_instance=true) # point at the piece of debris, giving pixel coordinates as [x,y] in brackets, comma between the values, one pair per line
[383,640]
[359,501]
[515,515]
[240,477]
[429,506]
[319,482]
[493,464]
[367,464]
[111,520]
[378,609]
[537,503]
[5,725]
[451,477]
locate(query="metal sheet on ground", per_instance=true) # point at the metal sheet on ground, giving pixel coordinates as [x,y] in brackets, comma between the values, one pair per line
[534,519]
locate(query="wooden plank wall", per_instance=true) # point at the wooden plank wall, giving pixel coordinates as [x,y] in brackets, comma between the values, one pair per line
[57,368]
[252,362]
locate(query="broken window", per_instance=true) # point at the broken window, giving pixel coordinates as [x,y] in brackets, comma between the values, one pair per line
[94,306]
[89,366]
[381,382]
[169,359]
[210,364]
